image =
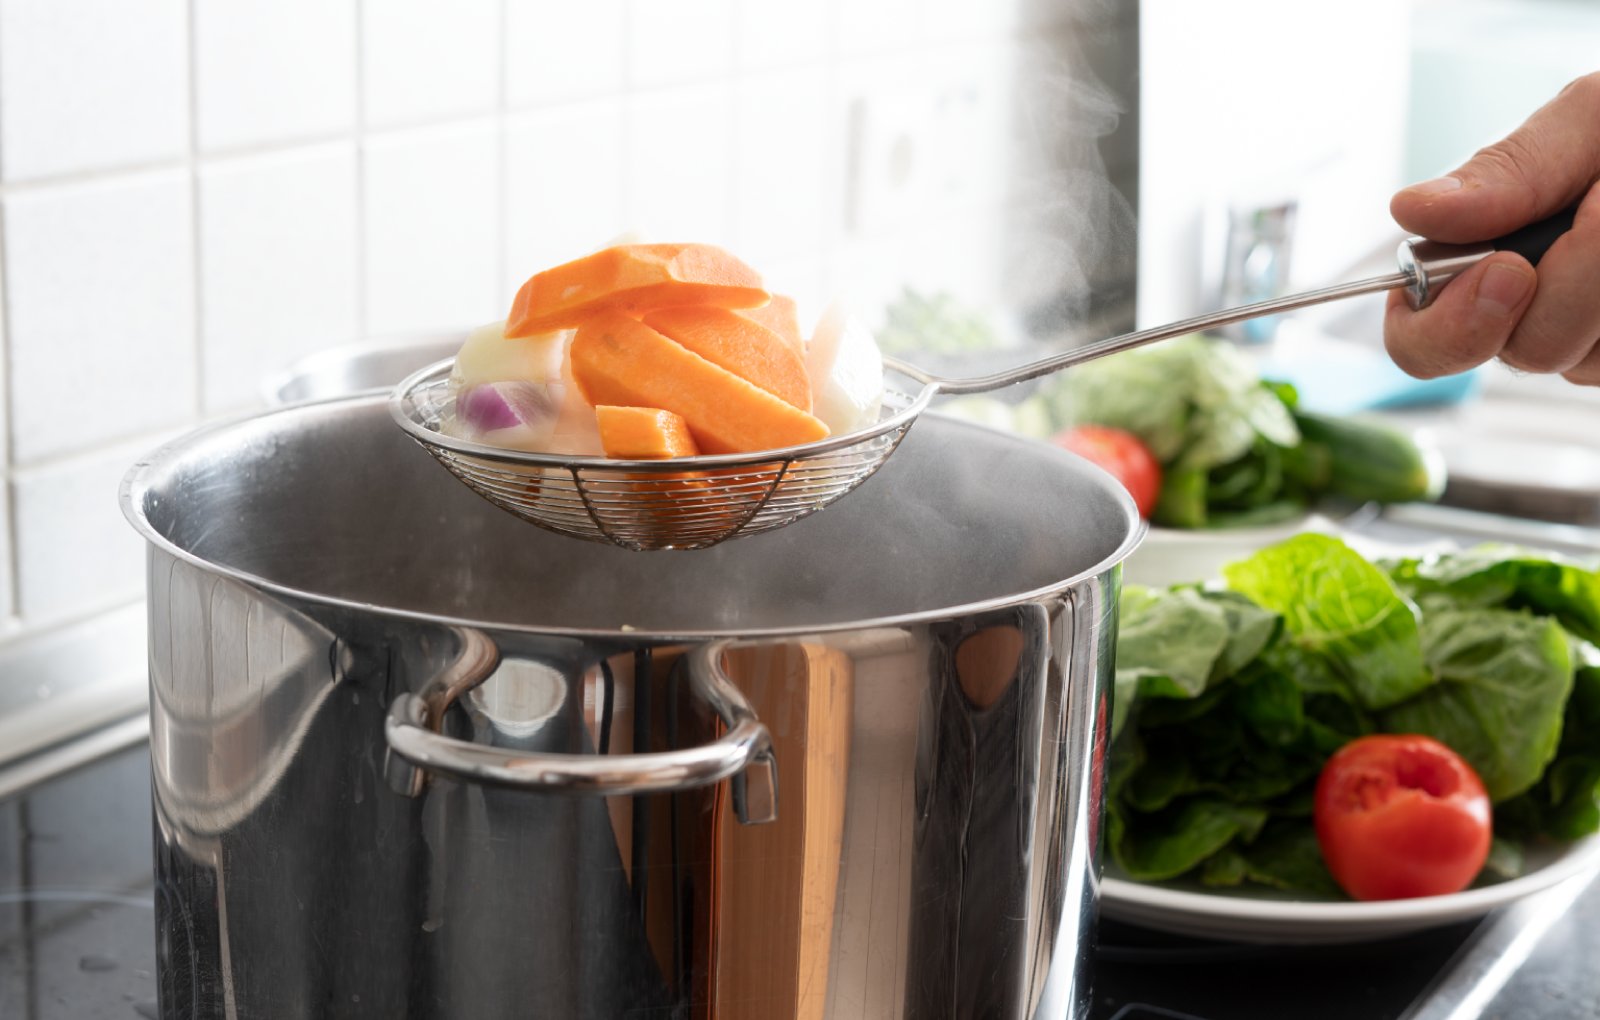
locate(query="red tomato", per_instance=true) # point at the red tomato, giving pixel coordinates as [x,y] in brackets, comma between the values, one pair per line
[1399,816]
[1120,453]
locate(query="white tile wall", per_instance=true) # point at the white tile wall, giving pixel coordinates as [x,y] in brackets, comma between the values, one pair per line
[259,314]
[8,620]
[787,154]
[679,154]
[678,42]
[100,294]
[558,50]
[777,33]
[423,60]
[77,553]
[879,26]
[196,193]
[432,240]
[564,171]
[91,84]
[273,72]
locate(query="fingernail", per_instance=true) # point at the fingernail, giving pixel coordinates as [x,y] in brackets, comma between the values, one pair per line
[1502,289]
[1437,186]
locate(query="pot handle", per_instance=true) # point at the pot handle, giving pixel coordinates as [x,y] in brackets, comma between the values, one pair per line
[744,752]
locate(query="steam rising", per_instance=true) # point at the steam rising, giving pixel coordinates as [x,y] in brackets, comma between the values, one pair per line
[1071,256]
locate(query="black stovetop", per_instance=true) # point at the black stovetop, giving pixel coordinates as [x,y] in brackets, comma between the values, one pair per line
[77,937]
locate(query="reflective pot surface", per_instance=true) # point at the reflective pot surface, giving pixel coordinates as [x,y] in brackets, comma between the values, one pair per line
[355,368]
[414,758]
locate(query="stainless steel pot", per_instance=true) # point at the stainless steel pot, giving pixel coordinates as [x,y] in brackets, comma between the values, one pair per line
[355,368]
[413,758]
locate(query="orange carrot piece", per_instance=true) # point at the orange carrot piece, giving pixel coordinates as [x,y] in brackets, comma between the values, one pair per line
[748,349]
[643,433]
[618,360]
[632,278]
[782,317]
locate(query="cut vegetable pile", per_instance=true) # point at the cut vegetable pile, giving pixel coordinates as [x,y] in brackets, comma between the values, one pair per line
[1231,699]
[655,351]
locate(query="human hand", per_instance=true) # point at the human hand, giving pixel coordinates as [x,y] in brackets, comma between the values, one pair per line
[1547,321]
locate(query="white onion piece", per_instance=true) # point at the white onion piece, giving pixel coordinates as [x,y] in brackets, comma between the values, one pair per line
[489,357]
[846,371]
[516,415]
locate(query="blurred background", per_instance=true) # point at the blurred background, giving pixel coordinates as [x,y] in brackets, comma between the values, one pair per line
[196,194]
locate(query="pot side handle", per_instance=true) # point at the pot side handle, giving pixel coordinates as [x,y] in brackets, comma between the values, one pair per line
[743,752]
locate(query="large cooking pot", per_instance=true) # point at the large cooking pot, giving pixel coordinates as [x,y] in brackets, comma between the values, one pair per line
[353,368]
[414,758]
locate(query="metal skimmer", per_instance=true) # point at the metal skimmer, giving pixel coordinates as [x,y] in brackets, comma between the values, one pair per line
[694,502]
[684,503]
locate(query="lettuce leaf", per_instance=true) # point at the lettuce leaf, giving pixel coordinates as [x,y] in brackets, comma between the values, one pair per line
[1336,604]
[1285,856]
[1565,803]
[1167,844]
[1504,680]
[1168,644]
[1506,576]
[1197,404]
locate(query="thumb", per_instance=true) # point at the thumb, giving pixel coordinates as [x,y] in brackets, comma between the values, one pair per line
[1541,167]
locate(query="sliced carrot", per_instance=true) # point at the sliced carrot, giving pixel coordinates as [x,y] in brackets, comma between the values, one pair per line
[782,317]
[633,278]
[643,433]
[748,349]
[618,360]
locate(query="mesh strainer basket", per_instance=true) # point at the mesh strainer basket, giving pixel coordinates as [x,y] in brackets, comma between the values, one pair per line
[683,503]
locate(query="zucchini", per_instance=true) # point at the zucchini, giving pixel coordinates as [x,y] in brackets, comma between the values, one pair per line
[1369,462]
[1182,503]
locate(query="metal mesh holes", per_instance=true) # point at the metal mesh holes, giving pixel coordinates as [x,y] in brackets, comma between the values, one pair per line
[685,503]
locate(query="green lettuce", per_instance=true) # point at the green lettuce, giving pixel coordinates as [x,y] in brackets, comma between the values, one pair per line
[1504,678]
[1168,644]
[1176,840]
[1502,575]
[1284,856]
[1337,605]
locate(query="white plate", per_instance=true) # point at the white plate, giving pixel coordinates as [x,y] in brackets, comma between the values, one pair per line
[1266,915]
[1171,556]
[1168,556]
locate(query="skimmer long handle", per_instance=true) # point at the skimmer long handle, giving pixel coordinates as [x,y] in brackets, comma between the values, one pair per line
[1425,267]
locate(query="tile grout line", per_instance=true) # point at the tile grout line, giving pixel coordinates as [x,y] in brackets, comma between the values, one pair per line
[11,616]
[134,443]
[502,170]
[731,83]
[240,153]
[52,627]
[835,160]
[197,272]
[360,134]
[119,171]
[625,118]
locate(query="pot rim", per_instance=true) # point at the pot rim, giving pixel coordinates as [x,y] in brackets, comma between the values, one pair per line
[135,484]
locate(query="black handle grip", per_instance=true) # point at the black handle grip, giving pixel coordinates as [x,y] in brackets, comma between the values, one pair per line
[1533,240]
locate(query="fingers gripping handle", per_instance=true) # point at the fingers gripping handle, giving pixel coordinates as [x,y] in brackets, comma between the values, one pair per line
[1533,240]
[1432,264]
